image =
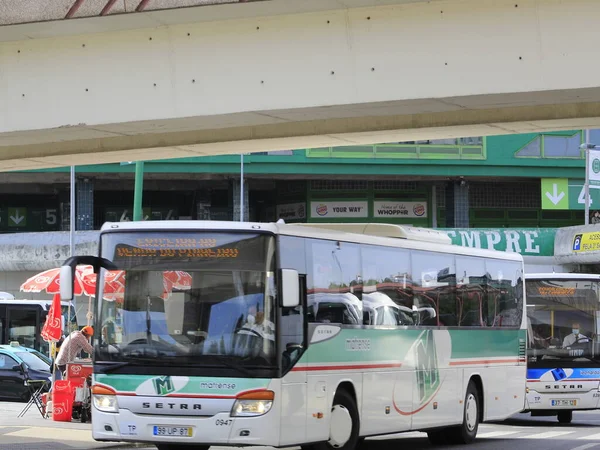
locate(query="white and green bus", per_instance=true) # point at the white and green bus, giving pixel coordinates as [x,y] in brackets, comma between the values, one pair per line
[265,340]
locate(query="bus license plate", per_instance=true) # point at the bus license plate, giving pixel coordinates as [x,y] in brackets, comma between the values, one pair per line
[564,402]
[172,431]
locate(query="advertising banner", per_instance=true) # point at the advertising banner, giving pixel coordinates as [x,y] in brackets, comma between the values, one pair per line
[400,209]
[526,241]
[339,209]
[291,211]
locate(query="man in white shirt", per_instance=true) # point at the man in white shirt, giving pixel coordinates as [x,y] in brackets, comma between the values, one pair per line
[575,337]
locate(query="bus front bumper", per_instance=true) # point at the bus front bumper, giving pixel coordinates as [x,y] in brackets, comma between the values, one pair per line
[549,401]
[219,429]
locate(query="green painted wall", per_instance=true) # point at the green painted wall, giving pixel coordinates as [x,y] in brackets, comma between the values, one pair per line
[498,153]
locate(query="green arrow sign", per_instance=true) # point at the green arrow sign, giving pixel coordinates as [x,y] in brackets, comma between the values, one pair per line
[555,193]
[17,217]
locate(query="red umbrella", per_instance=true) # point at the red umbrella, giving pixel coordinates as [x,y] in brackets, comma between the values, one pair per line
[49,281]
[52,330]
[114,283]
[178,279]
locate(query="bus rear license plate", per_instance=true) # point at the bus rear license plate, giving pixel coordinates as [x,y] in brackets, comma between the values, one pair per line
[172,431]
[564,402]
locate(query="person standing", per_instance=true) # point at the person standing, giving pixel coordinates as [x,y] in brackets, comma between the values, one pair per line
[72,345]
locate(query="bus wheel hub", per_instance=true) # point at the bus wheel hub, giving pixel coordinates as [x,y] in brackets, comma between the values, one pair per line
[340,427]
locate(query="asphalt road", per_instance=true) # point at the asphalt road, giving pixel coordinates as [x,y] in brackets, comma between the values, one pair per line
[519,432]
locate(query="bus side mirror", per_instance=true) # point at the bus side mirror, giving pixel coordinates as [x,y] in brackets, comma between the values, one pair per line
[66,283]
[290,288]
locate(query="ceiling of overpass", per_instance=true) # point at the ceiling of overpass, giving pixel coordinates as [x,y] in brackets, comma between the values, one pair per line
[301,128]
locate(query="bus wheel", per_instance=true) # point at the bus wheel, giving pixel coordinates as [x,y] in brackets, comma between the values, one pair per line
[343,425]
[565,416]
[466,432]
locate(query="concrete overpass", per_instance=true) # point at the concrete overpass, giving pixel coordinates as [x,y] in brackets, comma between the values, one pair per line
[149,80]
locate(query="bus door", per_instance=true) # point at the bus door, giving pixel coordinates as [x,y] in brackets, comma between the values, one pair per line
[23,324]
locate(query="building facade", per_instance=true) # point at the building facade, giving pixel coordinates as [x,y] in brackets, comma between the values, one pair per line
[472,182]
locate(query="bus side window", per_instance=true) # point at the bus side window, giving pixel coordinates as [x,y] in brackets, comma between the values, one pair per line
[334,282]
[505,293]
[434,285]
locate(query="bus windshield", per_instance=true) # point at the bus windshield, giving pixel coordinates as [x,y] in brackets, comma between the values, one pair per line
[203,300]
[562,320]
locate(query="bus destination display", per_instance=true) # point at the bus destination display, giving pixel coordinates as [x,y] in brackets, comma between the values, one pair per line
[165,248]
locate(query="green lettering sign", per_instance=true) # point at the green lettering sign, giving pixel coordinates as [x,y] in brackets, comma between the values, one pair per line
[526,241]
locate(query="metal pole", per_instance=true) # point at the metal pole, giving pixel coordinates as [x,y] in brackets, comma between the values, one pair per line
[241,187]
[72,213]
[138,190]
[587,178]
[434,223]
[71,238]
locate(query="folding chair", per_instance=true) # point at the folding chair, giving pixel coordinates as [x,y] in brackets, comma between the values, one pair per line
[36,388]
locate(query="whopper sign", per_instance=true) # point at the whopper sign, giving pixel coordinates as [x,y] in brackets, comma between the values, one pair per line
[400,209]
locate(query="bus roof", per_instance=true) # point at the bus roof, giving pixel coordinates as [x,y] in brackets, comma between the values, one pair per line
[376,234]
[561,276]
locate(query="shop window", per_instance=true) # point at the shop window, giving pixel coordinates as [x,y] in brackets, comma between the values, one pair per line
[562,146]
[533,149]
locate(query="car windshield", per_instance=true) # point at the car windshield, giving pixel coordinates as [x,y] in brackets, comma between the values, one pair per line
[33,362]
[563,323]
[192,300]
[43,357]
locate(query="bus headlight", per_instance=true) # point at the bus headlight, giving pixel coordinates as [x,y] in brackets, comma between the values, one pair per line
[105,399]
[253,404]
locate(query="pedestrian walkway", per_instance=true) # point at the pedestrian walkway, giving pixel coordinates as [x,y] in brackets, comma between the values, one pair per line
[32,431]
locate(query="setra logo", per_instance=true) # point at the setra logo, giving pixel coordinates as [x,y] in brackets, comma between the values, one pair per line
[163,385]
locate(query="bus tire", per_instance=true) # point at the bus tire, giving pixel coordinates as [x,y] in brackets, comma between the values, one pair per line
[467,431]
[565,416]
[344,417]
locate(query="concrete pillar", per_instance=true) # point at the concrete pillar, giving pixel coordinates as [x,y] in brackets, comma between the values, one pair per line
[236,200]
[84,206]
[457,204]
[65,209]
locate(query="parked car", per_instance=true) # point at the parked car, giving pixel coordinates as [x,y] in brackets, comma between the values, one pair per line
[17,364]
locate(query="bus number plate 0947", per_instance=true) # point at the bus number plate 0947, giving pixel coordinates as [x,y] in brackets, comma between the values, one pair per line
[563,402]
[172,431]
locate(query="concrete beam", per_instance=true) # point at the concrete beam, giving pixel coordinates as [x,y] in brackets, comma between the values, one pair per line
[42,251]
[352,75]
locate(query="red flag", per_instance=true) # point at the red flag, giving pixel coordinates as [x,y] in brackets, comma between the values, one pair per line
[52,331]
